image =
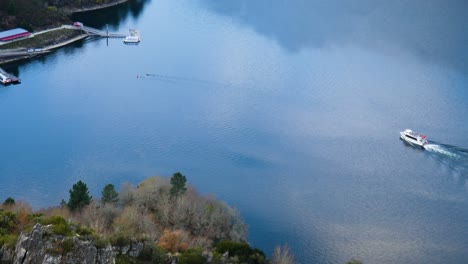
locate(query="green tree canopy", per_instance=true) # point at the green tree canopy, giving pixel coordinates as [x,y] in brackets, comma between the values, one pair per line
[109,195]
[9,201]
[178,184]
[79,196]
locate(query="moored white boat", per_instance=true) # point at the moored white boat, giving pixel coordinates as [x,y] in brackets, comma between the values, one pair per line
[414,138]
[134,37]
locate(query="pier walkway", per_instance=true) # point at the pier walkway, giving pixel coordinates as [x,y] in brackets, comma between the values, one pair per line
[101,33]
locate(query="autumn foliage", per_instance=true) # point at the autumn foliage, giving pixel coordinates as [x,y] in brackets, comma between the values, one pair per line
[167,214]
[174,241]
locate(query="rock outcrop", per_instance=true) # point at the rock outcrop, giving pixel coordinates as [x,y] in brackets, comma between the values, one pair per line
[42,246]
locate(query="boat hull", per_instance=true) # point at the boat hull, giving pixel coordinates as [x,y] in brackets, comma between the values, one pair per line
[130,41]
[412,141]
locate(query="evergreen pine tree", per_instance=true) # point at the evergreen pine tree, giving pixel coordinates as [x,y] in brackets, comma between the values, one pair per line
[79,196]
[109,195]
[178,184]
[9,201]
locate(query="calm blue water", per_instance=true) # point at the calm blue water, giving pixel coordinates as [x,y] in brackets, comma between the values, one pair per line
[288,110]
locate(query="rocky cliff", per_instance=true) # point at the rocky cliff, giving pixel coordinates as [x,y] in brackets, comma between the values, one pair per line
[41,246]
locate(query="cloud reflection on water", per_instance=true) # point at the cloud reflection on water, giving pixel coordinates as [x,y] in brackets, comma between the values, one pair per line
[432,30]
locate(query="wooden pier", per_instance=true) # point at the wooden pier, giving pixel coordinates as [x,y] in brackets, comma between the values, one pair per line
[101,33]
[6,78]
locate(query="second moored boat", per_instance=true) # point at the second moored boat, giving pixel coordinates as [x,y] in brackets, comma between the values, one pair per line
[134,37]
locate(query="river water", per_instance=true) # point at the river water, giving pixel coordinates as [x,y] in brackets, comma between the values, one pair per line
[289,111]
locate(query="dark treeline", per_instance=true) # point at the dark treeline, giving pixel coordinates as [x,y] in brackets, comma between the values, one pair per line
[29,14]
[39,14]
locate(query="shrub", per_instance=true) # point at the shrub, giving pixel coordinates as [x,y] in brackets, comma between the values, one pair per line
[84,231]
[146,253]
[192,256]
[62,230]
[100,243]
[124,259]
[282,255]
[217,258]
[59,225]
[53,220]
[234,248]
[159,255]
[23,218]
[66,245]
[8,240]
[7,222]
[62,211]
[242,251]
[119,240]
[152,254]
[174,241]
[257,256]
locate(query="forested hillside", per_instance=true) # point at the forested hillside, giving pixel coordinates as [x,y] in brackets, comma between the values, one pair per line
[39,14]
[161,218]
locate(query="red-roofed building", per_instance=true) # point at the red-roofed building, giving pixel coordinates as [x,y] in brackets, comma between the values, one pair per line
[13,34]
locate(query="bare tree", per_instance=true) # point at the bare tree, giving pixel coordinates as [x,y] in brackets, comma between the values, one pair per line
[133,223]
[126,194]
[282,255]
[100,216]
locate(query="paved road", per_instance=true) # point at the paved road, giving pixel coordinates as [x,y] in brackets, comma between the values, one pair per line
[21,52]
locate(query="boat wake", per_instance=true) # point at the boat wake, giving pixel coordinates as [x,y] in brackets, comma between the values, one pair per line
[455,157]
[446,150]
[178,79]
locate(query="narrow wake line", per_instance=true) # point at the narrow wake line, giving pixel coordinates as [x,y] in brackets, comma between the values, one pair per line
[170,78]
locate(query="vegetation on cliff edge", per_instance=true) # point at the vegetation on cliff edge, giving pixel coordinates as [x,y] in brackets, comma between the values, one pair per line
[182,223]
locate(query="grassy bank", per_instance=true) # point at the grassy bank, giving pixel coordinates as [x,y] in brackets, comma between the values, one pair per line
[43,40]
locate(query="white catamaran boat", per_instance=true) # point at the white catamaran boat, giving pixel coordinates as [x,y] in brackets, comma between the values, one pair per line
[414,138]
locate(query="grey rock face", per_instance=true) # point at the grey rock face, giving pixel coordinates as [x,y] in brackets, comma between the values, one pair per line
[41,246]
[6,254]
[135,249]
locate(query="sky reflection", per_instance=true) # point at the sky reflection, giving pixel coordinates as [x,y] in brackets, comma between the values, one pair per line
[433,30]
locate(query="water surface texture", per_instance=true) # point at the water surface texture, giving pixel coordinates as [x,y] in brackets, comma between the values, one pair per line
[288,110]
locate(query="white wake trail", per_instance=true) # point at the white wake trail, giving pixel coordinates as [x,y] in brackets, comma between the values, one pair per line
[441,150]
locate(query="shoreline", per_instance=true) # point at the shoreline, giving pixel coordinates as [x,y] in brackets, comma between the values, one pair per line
[45,49]
[49,48]
[87,9]
[66,42]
